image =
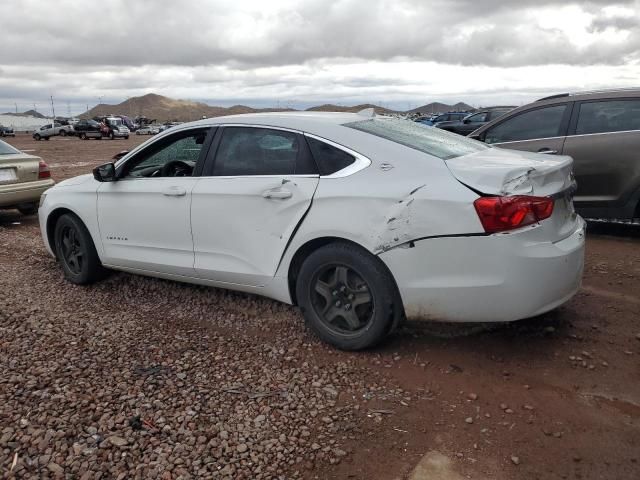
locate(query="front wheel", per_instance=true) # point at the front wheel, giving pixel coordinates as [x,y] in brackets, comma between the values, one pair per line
[76,251]
[347,296]
[37,136]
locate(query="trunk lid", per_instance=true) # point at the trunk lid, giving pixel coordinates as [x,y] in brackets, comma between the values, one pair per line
[18,168]
[502,172]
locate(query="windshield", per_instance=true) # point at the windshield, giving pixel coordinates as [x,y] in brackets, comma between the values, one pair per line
[114,122]
[434,141]
[6,149]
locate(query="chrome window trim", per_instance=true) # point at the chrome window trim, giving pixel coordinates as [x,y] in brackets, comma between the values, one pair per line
[563,136]
[361,162]
[528,140]
[601,133]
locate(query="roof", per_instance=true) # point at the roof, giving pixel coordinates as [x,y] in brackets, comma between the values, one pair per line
[611,93]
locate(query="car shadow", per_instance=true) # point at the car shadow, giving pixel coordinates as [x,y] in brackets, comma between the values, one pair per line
[10,218]
[631,230]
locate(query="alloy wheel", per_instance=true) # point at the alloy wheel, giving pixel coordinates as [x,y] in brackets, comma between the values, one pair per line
[72,251]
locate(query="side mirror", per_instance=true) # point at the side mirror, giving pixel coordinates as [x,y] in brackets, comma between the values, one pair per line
[119,155]
[105,173]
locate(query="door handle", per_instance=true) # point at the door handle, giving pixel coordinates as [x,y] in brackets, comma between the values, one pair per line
[278,193]
[547,151]
[174,192]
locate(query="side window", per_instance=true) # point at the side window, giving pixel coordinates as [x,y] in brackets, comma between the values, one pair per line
[539,123]
[328,158]
[247,151]
[174,156]
[478,118]
[609,116]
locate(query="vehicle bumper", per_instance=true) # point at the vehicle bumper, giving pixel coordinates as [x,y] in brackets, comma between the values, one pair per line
[494,278]
[121,134]
[19,193]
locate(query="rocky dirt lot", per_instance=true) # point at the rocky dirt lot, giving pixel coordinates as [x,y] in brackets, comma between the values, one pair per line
[142,378]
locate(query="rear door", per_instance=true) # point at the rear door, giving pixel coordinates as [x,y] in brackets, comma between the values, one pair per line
[257,187]
[604,141]
[540,130]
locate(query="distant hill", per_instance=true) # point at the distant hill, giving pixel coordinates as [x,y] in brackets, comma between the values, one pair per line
[28,113]
[356,108]
[162,109]
[436,107]
[167,109]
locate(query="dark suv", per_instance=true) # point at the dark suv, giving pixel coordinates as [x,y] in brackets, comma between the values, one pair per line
[600,130]
[469,123]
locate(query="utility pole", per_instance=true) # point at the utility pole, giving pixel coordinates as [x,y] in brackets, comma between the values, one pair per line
[53,111]
[16,107]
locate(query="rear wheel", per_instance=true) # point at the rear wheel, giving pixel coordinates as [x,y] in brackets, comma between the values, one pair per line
[83,136]
[127,137]
[76,251]
[47,138]
[112,136]
[63,133]
[37,136]
[347,296]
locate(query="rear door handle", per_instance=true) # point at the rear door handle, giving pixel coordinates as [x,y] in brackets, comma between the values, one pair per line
[547,151]
[278,193]
[174,192]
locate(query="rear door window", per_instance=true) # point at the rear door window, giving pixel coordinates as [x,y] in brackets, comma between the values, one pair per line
[608,116]
[245,151]
[539,123]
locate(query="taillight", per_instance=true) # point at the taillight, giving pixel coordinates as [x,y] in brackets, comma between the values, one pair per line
[43,170]
[498,214]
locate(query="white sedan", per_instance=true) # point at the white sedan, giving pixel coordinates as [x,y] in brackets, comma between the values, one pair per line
[359,220]
[147,130]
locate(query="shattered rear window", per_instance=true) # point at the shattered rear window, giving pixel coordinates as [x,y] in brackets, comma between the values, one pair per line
[431,140]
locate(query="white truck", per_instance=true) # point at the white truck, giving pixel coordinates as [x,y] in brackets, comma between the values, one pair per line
[45,132]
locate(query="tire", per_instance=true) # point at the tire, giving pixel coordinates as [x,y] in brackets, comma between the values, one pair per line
[76,251]
[112,136]
[47,138]
[347,274]
[83,136]
[126,137]
[63,133]
[37,136]
[28,208]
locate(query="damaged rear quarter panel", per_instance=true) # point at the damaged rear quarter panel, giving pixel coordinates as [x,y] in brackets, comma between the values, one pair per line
[381,210]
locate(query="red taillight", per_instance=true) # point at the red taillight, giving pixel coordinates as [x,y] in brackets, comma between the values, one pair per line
[498,214]
[43,170]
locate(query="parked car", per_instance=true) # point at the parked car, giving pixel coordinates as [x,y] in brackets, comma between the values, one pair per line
[45,132]
[444,117]
[114,127]
[147,130]
[86,129]
[6,131]
[23,178]
[600,130]
[360,220]
[469,123]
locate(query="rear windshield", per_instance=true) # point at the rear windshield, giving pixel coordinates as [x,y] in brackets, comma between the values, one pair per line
[431,140]
[6,149]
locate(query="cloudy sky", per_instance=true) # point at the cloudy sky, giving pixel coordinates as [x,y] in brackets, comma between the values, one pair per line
[398,53]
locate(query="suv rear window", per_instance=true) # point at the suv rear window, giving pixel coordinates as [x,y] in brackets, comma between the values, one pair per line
[609,116]
[434,141]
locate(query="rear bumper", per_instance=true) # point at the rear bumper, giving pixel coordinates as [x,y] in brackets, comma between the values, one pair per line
[28,192]
[495,278]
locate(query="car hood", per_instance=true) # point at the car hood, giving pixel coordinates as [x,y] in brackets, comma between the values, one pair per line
[72,182]
[498,171]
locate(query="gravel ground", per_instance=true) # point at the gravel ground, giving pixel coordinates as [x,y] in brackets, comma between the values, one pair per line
[143,378]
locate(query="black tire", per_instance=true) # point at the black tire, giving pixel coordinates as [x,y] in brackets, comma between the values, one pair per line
[37,136]
[63,133]
[112,136]
[76,251]
[126,137]
[82,136]
[28,208]
[47,138]
[332,280]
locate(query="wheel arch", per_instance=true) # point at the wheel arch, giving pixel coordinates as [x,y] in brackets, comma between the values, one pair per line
[52,219]
[311,246]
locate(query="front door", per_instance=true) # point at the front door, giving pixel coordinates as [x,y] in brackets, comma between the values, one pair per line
[144,217]
[245,209]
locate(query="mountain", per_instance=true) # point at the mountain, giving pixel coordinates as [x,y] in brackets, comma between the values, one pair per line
[161,108]
[356,108]
[436,107]
[28,113]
